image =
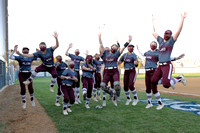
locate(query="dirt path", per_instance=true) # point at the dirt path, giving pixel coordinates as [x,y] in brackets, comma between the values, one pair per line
[192,89]
[18,120]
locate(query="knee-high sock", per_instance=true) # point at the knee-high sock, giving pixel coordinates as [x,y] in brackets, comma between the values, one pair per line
[134,94]
[64,106]
[32,97]
[58,98]
[157,95]
[98,91]
[149,96]
[53,81]
[104,95]
[77,93]
[33,75]
[127,94]
[87,100]
[173,81]
[23,98]
[94,92]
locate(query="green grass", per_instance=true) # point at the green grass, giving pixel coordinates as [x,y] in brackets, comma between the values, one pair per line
[2,126]
[123,119]
[142,76]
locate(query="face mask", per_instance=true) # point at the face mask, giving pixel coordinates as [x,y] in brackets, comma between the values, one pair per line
[43,48]
[59,60]
[130,50]
[76,53]
[167,35]
[26,52]
[71,66]
[97,58]
[113,50]
[153,47]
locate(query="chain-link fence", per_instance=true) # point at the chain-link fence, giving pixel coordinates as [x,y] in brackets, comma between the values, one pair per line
[2,74]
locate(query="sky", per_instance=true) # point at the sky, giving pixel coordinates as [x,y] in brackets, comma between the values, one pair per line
[80,21]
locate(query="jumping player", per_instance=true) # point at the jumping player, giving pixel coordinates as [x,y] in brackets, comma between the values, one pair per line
[24,74]
[151,60]
[87,79]
[46,55]
[130,62]
[60,67]
[69,76]
[111,70]
[97,76]
[77,59]
[165,68]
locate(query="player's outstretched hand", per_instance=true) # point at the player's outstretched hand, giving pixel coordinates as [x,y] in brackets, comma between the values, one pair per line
[184,15]
[15,48]
[55,34]
[70,45]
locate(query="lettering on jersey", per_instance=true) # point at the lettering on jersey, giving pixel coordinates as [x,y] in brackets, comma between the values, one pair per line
[128,60]
[48,59]
[76,60]
[109,59]
[179,105]
[26,63]
[162,49]
[148,57]
[63,68]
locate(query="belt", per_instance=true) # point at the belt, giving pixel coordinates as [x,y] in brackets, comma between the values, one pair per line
[110,67]
[48,65]
[25,71]
[66,84]
[164,63]
[149,69]
[129,68]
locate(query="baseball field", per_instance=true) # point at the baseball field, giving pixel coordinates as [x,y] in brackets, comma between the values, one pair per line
[180,114]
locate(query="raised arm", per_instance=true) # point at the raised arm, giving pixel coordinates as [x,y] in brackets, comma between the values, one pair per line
[177,58]
[175,36]
[67,52]
[101,48]
[139,50]
[57,43]
[154,31]
[20,54]
[126,44]
[12,53]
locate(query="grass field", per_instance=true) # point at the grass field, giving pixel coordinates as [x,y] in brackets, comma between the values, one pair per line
[123,119]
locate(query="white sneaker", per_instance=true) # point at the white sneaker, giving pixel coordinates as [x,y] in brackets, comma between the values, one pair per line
[87,106]
[159,107]
[84,95]
[65,112]
[51,89]
[173,87]
[95,99]
[69,110]
[128,101]
[99,97]
[57,104]
[149,106]
[183,80]
[135,101]
[24,106]
[76,102]
[104,103]
[79,101]
[33,103]
[114,102]
[26,82]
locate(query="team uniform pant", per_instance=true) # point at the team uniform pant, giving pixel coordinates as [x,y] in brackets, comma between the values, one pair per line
[77,84]
[97,80]
[111,75]
[87,84]
[51,70]
[68,94]
[164,72]
[59,81]
[129,79]
[22,77]
[148,83]
[111,80]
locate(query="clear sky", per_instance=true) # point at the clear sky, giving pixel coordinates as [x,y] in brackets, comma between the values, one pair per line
[78,22]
